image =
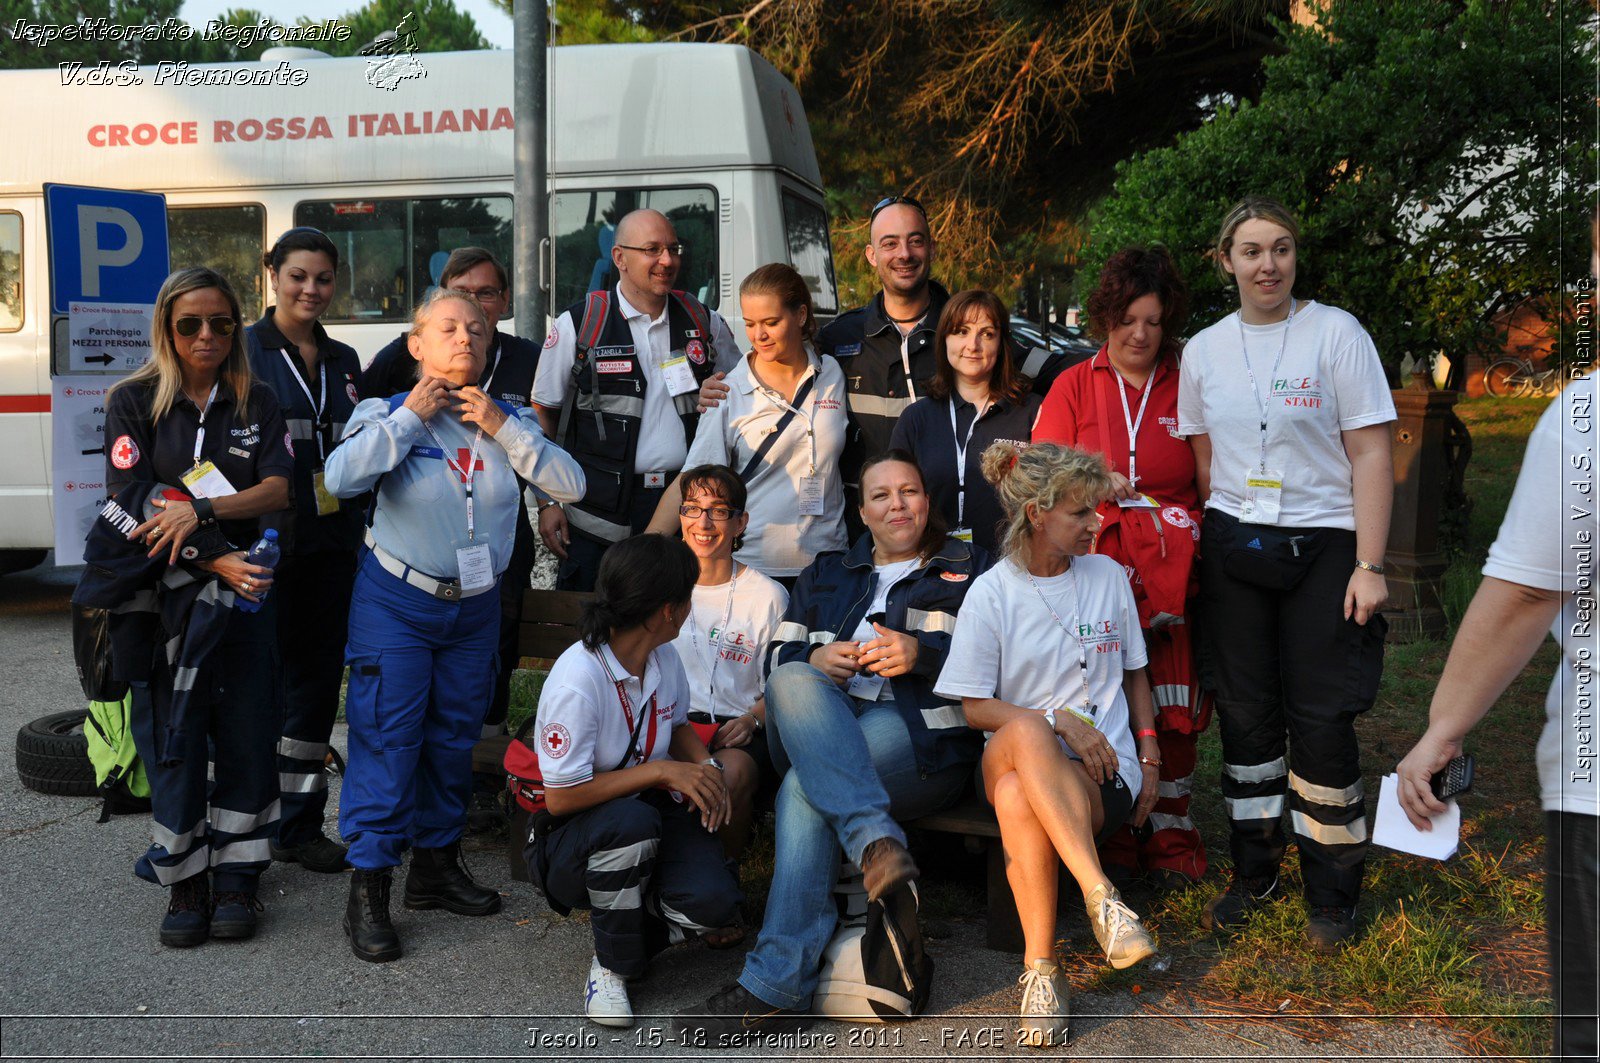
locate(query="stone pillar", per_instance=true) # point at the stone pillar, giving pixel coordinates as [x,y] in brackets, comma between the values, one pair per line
[1416,558]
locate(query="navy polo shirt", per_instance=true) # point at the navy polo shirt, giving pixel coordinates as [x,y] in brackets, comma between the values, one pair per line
[925,432]
[245,449]
[315,433]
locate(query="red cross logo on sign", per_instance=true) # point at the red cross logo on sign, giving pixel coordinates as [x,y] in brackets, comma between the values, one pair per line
[462,457]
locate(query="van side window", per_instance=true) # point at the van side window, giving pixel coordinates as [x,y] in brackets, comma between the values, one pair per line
[10,271]
[230,240]
[805,224]
[391,251]
[583,227]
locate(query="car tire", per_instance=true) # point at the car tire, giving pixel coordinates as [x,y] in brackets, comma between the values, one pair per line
[53,755]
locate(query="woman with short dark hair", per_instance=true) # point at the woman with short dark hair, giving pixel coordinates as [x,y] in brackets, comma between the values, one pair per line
[634,798]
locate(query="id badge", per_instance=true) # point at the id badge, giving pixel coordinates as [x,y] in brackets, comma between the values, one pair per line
[327,501]
[866,686]
[811,496]
[475,568]
[678,375]
[205,480]
[1263,496]
[964,534]
[1140,501]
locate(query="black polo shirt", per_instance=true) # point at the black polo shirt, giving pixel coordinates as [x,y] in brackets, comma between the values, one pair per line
[246,450]
[924,430]
[507,372]
[315,435]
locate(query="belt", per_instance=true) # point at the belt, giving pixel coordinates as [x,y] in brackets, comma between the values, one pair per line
[448,590]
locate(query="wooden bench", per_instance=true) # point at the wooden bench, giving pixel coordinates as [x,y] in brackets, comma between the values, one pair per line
[974,822]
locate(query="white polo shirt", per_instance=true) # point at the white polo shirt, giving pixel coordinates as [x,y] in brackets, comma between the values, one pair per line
[583,729]
[1007,646]
[1330,381]
[661,444]
[1548,540]
[779,541]
[725,638]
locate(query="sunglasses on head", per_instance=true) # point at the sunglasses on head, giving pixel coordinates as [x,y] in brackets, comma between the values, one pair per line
[888,201]
[221,324]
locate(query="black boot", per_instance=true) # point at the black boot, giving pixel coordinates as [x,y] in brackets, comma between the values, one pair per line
[366,917]
[437,880]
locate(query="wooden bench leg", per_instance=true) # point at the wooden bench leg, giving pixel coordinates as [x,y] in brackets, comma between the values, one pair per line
[1004,926]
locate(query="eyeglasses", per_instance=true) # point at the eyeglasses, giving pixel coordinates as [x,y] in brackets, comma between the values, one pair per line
[654,250]
[716,513]
[484,295]
[888,201]
[190,326]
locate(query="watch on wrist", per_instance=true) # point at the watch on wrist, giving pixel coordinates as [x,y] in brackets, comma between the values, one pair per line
[1050,718]
[715,763]
[1367,566]
[546,503]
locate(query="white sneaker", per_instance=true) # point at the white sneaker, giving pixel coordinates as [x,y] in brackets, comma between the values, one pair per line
[605,998]
[1046,1017]
[1117,928]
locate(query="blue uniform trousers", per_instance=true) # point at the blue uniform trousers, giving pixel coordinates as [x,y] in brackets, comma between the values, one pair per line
[647,870]
[421,675]
[226,829]
[313,596]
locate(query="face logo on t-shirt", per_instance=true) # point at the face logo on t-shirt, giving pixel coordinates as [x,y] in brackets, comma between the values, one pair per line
[555,740]
[1101,634]
[1304,392]
[124,453]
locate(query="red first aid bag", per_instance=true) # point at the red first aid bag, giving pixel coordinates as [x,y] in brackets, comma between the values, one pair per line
[523,777]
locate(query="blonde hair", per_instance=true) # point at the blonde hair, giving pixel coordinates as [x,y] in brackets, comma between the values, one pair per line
[1046,475]
[424,310]
[1248,208]
[164,368]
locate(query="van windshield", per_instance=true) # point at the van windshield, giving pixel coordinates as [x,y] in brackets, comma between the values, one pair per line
[583,227]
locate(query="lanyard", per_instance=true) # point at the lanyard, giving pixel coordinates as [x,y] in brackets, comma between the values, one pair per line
[905,361]
[1090,710]
[1129,421]
[200,433]
[961,456]
[316,406]
[776,398]
[1255,388]
[634,751]
[466,474]
[486,382]
[714,637]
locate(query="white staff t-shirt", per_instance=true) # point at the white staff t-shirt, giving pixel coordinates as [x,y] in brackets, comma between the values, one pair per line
[582,730]
[722,644]
[1548,540]
[1007,646]
[1330,381]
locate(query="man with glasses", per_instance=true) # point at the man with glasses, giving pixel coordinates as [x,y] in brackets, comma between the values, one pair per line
[508,373]
[617,387]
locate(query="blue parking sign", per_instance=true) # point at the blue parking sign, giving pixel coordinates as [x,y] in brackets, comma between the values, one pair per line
[106,245]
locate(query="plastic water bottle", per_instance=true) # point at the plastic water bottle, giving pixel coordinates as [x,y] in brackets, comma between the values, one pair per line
[266,554]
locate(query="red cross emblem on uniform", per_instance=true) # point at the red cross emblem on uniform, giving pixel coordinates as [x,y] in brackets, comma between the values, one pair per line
[462,457]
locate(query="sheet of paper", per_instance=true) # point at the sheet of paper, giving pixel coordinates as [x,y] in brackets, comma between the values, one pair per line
[1393,830]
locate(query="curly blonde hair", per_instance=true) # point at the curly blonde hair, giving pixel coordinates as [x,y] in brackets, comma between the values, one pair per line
[1046,475]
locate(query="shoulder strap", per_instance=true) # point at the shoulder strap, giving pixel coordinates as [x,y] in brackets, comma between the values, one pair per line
[596,307]
[697,313]
[760,456]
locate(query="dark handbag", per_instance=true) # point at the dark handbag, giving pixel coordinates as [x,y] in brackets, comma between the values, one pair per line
[91,651]
[1266,556]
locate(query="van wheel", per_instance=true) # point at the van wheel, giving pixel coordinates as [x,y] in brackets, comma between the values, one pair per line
[53,755]
[19,560]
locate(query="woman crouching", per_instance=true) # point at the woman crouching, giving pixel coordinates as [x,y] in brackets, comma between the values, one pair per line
[1047,646]
[634,797]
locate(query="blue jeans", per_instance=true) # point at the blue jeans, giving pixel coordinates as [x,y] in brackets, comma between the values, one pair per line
[854,772]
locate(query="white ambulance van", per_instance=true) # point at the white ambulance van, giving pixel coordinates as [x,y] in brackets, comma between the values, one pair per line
[711,135]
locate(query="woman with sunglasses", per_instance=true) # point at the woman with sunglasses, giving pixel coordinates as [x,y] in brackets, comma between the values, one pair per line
[314,377]
[735,613]
[782,429]
[445,463]
[193,419]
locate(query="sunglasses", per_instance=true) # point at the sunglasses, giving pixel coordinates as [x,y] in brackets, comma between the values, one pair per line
[190,326]
[888,201]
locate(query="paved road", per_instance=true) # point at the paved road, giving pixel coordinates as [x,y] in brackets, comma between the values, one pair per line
[85,978]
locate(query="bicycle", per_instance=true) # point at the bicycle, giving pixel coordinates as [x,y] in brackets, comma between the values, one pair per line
[1509,377]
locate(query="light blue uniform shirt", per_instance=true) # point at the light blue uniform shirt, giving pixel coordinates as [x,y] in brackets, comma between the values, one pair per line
[421,515]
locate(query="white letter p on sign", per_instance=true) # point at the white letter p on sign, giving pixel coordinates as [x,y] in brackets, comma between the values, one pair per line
[93,256]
